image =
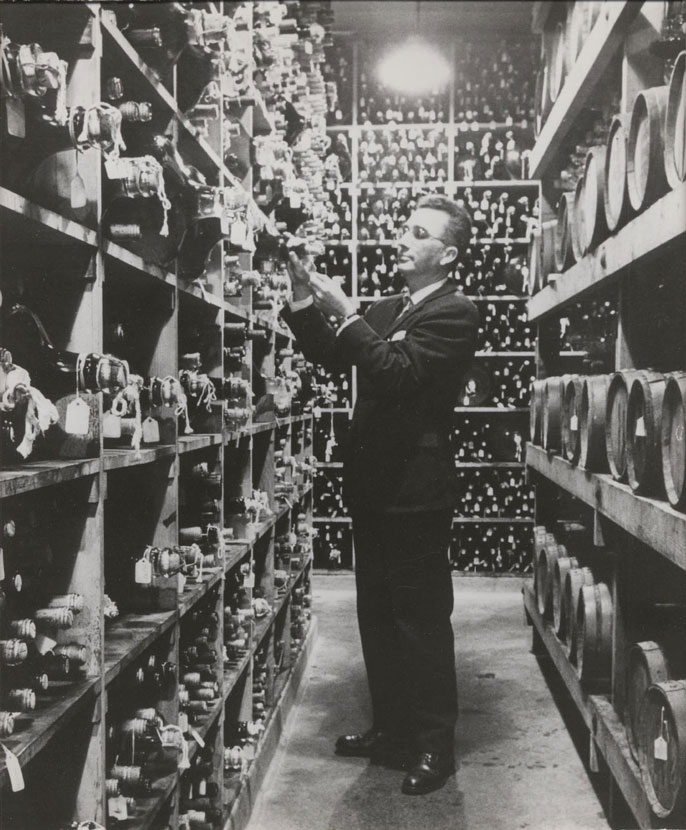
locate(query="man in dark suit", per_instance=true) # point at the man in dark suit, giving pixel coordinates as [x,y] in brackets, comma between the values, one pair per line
[398,481]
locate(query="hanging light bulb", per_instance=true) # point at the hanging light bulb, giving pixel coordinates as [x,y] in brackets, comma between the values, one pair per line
[415,67]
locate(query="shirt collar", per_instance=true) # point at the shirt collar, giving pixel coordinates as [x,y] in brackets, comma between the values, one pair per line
[419,295]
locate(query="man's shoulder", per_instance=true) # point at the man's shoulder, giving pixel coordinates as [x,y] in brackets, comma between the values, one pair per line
[454,298]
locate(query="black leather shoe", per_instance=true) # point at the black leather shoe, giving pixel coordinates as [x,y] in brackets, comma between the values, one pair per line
[429,772]
[366,745]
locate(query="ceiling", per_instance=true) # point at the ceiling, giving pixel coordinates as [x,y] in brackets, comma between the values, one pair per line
[387,20]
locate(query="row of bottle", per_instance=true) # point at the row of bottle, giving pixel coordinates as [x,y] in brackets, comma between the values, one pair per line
[491,548]
[504,327]
[328,495]
[489,86]
[333,545]
[493,493]
[403,154]
[497,382]
[479,440]
[590,327]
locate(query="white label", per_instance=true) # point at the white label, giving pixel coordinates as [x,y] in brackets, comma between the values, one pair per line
[44,644]
[196,737]
[184,760]
[143,572]
[237,232]
[116,808]
[249,580]
[78,413]
[640,428]
[14,770]
[660,749]
[115,168]
[2,564]
[295,201]
[202,787]
[183,721]
[111,425]
[574,423]
[151,431]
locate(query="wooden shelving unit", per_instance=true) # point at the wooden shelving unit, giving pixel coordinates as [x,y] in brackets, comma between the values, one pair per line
[102,509]
[637,267]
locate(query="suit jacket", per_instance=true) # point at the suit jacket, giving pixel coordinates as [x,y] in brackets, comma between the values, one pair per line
[398,455]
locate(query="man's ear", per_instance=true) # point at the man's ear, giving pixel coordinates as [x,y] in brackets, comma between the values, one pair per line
[449,255]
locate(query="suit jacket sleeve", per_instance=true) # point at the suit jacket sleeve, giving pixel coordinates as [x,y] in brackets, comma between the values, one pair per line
[438,346]
[315,337]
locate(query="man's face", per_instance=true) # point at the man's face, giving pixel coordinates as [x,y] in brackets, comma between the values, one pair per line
[422,245]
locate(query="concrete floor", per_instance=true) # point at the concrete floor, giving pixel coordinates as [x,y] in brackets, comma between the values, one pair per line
[518,767]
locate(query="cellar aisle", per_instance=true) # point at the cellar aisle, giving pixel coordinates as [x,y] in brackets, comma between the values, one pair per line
[518,765]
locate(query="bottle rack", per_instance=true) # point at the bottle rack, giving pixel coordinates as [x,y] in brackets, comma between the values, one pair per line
[493,267]
[638,543]
[211,659]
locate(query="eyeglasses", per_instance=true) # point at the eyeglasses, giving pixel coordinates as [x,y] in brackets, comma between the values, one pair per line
[418,232]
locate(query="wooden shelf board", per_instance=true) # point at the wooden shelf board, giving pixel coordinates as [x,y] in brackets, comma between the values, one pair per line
[600,47]
[148,809]
[34,475]
[508,183]
[611,740]
[233,553]
[504,354]
[54,709]
[487,520]
[190,443]
[491,409]
[193,593]
[599,717]
[497,298]
[194,290]
[489,465]
[557,654]
[233,675]
[651,521]
[497,240]
[14,206]
[237,311]
[656,231]
[203,728]
[118,459]
[120,254]
[263,426]
[345,519]
[331,465]
[127,638]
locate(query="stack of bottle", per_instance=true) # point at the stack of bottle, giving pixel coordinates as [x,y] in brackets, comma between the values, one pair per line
[500,382]
[496,548]
[380,105]
[403,154]
[332,389]
[328,494]
[236,625]
[504,327]
[481,440]
[338,80]
[199,804]
[200,683]
[499,211]
[301,615]
[484,494]
[499,153]
[333,545]
[330,430]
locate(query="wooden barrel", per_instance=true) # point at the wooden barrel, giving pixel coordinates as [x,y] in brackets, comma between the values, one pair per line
[674,440]
[545,568]
[542,101]
[557,64]
[593,636]
[594,226]
[575,579]
[615,422]
[644,433]
[571,407]
[578,27]
[552,411]
[541,539]
[616,193]
[564,253]
[592,424]
[561,568]
[533,282]
[647,664]
[675,124]
[536,412]
[645,163]
[547,250]
[662,747]
[577,232]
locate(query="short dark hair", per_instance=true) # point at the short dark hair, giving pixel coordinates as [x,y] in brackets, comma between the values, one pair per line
[460,224]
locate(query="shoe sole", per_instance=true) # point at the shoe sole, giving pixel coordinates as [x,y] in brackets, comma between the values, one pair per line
[436,785]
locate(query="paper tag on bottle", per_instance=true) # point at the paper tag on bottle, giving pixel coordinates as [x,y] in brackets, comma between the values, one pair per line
[111,425]
[640,428]
[14,770]
[44,644]
[184,760]
[151,431]
[237,232]
[574,423]
[116,808]
[115,168]
[249,580]
[225,223]
[78,415]
[183,721]
[202,787]
[660,749]
[196,737]
[143,572]
[181,583]
[295,201]
[2,565]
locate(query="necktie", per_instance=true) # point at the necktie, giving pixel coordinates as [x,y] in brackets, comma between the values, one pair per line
[406,304]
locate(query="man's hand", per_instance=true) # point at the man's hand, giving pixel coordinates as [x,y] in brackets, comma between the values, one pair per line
[300,275]
[329,297]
